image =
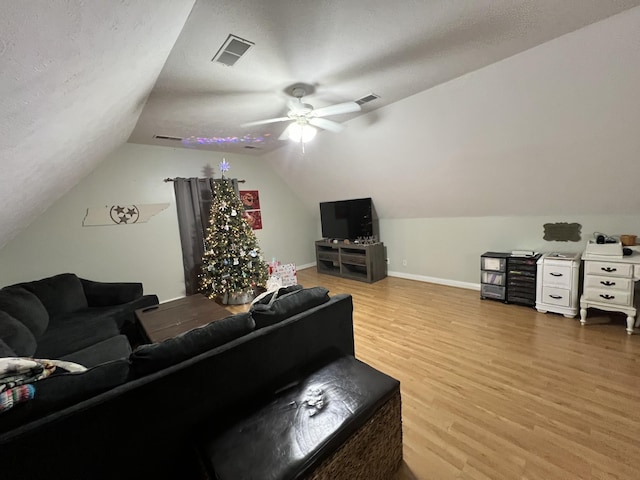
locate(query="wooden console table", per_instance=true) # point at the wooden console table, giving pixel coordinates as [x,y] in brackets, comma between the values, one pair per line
[362,262]
[178,316]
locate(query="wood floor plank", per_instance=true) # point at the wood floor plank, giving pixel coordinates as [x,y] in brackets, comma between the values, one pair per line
[497,391]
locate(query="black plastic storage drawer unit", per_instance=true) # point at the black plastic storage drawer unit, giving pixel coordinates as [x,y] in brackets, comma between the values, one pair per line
[521,279]
[493,275]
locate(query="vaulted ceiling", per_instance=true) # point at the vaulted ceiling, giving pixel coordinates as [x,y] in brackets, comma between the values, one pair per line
[78,79]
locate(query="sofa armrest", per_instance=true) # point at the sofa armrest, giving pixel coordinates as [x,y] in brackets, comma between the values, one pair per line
[104,294]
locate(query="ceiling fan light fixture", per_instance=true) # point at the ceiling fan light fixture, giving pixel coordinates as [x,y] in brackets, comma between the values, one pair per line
[302,132]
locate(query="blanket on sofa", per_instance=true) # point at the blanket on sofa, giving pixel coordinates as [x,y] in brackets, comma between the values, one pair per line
[17,376]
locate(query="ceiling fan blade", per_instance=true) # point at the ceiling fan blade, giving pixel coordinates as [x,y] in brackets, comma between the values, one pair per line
[264,122]
[285,134]
[326,124]
[346,107]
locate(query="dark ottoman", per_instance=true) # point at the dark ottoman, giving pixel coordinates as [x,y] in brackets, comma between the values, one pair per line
[341,422]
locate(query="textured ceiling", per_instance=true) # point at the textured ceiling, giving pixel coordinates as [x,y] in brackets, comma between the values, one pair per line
[74,77]
[78,79]
[346,48]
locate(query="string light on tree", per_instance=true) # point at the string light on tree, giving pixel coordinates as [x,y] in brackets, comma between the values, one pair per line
[232,263]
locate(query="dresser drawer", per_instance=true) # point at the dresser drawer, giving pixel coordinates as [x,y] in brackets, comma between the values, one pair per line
[556,296]
[598,282]
[612,297]
[609,269]
[556,276]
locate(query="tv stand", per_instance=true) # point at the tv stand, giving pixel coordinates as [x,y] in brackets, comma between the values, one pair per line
[363,262]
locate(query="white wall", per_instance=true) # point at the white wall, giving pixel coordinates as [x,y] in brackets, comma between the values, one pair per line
[482,162]
[553,130]
[448,250]
[148,252]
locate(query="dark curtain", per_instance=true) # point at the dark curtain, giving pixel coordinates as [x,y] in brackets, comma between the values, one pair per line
[193,203]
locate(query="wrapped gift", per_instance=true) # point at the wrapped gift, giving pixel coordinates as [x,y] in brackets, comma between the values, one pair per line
[286,273]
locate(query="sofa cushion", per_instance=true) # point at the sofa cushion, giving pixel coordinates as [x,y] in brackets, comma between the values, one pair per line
[124,313]
[5,350]
[150,358]
[113,348]
[73,387]
[16,336]
[71,333]
[287,305]
[103,294]
[23,305]
[59,294]
[63,389]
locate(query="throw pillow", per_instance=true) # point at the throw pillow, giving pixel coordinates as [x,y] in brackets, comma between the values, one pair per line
[59,294]
[25,307]
[267,297]
[16,336]
[73,386]
[152,357]
[288,305]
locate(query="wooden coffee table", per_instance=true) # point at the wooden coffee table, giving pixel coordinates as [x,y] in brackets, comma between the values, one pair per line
[178,316]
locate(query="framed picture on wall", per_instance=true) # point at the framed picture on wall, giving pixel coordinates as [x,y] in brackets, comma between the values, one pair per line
[250,199]
[254,217]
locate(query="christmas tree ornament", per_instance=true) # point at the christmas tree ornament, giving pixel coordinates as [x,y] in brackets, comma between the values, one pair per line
[224,166]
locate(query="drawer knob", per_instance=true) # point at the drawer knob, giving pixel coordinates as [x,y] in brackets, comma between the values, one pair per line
[554,274]
[556,297]
[608,297]
[608,284]
[608,269]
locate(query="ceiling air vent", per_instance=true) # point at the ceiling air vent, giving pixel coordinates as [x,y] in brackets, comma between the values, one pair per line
[168,137]
[367,98]
[231,50]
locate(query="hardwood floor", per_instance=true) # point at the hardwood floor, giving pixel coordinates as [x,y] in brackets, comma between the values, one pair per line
[495,391]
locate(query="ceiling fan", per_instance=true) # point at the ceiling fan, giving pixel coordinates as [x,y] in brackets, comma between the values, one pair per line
[304,118]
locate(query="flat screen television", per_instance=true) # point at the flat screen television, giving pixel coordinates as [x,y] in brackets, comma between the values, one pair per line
[348,219]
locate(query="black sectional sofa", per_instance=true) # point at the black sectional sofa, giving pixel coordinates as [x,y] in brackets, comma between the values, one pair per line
[150,408]
[70,318]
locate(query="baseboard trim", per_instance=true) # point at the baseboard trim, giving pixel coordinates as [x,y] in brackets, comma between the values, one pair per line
[420,278]
[306,265]
[439,281]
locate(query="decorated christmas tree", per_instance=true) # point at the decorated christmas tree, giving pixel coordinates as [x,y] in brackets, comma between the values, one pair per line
[232,264]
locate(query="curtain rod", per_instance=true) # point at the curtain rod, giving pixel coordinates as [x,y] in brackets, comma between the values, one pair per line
[174,179]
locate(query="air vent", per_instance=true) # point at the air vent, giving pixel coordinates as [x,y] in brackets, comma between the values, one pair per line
[250,147]
[367,98]
[231,50]
[168,137]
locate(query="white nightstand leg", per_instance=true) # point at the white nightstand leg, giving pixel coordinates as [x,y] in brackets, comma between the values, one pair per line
[630,321]
[583,316]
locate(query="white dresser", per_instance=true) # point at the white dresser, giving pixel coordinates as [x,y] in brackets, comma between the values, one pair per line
[609,285]
[558,282]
